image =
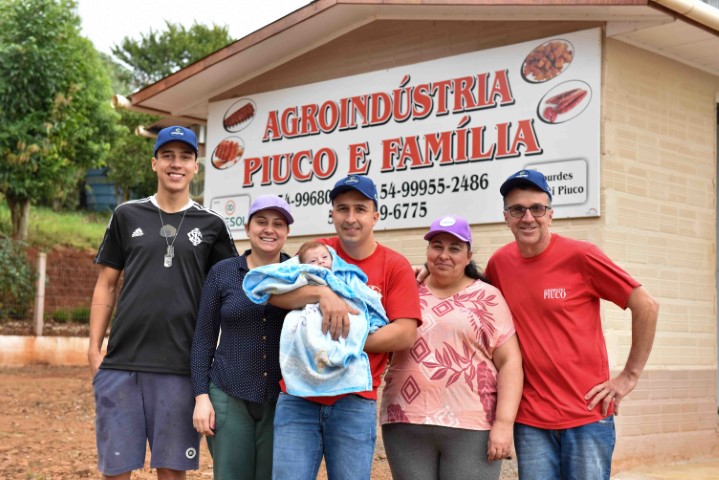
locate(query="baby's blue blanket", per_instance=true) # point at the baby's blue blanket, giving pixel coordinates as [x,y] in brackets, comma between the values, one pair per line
[314,365]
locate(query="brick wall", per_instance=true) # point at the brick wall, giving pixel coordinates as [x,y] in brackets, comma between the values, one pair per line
[70,278]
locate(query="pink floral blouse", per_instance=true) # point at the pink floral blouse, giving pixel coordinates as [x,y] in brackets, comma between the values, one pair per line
[447,378]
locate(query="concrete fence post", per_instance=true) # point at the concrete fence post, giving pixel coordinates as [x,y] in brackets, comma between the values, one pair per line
[40,295]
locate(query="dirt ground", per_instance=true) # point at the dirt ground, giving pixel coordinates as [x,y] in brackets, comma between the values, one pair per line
[47,429]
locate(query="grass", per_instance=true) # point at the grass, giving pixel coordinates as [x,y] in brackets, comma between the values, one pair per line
[48,228]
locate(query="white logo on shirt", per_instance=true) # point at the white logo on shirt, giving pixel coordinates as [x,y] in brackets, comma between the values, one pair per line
[195,236]
[551,293]
[137,232]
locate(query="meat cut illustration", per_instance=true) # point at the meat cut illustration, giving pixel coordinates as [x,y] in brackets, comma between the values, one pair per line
[239,116]
[547,61]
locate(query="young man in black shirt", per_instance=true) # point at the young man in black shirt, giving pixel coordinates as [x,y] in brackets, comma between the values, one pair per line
[164,245]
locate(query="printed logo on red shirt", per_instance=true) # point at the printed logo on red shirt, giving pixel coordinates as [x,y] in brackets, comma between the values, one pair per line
[552,293]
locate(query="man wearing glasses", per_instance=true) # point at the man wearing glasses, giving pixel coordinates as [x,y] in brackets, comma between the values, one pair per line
[553,285]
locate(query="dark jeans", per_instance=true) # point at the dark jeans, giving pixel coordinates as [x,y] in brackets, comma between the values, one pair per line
[242,445]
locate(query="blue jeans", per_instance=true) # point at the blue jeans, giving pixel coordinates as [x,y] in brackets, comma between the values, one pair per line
[579,453]
[344,433]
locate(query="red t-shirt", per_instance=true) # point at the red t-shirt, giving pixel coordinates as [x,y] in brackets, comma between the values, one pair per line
[390,274]
[554,298]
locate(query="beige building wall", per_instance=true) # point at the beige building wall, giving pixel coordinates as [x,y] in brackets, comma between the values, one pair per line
[658,208]
[659,212]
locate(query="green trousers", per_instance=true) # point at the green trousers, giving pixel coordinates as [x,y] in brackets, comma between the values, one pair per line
[242,445]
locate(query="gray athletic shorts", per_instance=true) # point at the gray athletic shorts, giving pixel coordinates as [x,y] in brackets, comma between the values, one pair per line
[134,408]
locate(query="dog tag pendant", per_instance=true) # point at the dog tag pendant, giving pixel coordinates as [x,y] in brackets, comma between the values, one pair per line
[170,251]
[168,261]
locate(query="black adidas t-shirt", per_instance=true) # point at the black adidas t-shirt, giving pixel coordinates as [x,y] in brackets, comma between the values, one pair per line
[157,309]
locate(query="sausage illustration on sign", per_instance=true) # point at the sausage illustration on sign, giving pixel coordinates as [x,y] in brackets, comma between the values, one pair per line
[227,153]
[564,102]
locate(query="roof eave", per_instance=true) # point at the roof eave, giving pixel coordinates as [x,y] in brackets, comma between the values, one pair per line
[323,20]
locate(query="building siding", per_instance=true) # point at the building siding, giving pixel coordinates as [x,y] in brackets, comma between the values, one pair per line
[658,154]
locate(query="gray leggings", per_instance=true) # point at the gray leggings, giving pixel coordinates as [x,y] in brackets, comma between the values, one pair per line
[430,452]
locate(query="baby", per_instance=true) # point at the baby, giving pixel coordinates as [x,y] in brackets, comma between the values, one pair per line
[315,253]
[312,363]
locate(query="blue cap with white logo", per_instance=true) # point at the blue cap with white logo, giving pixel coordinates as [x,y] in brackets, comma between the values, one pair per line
[176,134]
[526,177]
[362,184]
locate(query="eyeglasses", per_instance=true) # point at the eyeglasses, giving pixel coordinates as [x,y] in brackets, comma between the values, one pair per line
[518,211]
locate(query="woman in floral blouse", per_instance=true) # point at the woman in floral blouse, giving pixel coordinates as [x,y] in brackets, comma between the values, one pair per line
[449,403]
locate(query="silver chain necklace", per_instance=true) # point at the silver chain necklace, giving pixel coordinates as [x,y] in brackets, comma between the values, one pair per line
[168,231]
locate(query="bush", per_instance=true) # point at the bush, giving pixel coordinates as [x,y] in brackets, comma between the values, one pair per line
[17,281]
[61,316]
[74,315]
[80,315]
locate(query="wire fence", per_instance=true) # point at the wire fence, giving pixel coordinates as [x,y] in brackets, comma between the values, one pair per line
[70,281]
[64,296]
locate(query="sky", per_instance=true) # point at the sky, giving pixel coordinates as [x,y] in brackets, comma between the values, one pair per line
[107,22]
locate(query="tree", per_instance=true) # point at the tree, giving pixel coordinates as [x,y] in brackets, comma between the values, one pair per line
[120,75]
[159,54]
[55,118]
[129,159]
[155,56]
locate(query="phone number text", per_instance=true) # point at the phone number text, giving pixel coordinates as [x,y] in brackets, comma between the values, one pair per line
[433,186]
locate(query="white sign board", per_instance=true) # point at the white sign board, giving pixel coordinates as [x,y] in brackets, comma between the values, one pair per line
[437,137]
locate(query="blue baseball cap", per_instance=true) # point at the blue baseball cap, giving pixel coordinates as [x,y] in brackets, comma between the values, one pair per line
[176,134]
[534,178]
[362,184]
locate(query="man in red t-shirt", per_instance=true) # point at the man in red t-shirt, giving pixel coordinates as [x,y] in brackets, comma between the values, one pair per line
[343,428]
[553,286]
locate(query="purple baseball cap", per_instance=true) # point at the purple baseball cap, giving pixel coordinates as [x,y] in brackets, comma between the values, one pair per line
[452,224]
[271,202]
[176,134]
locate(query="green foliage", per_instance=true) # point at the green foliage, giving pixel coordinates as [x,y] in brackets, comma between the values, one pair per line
[162,53]
[120,76]
[73,229]
[130,160]
[17,280]
[49,228]
[74,315]
[55,118]
[80,315]
[156,55]
[61,316]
